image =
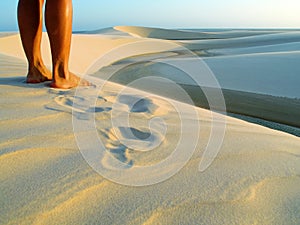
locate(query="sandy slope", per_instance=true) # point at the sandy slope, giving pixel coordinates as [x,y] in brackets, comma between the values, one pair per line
[83,44]
[160,33]
[258,71]
[45,180]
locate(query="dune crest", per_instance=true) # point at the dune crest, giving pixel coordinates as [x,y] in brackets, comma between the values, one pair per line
[147,32]
[192,34]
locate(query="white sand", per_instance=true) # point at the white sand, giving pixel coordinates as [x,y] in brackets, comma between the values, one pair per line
[160,33]
[259,62]
[45,180]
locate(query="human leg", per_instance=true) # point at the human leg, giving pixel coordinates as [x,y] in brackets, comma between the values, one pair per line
[30,24]
[59,27]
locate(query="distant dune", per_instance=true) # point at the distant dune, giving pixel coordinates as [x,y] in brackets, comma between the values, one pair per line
[168,34]
[104,31]
[265,64]
[5,34]
[147,32]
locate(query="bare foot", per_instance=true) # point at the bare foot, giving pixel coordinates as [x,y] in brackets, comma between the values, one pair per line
[38,74]
[72,81]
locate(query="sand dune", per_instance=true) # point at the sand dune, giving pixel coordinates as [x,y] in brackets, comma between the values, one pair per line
[103,45]
[6,34]
[273,73]
[110,31]
[160,33]
[268,73]
[251,41]
[44,179]
[265,65]
[147,32]
[286,47]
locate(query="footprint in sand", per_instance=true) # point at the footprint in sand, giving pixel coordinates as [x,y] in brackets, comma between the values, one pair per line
[140,139]
[116,155]
[136,108]
[69,103]
[120,141]
[138,104]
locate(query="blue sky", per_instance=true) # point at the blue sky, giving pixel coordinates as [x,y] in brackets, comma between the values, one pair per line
[95,14]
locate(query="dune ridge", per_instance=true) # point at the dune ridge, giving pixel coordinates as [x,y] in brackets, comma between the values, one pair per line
[175,34]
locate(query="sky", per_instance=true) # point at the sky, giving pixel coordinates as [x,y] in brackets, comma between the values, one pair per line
[96,14]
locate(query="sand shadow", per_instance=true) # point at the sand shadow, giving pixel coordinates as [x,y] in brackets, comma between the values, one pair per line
[66,101]
[20,81]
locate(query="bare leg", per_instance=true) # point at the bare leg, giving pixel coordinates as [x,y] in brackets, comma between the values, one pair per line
[59,28]
[30,24]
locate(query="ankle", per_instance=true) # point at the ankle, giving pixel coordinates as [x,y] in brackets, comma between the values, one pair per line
[36,65]
[61,72]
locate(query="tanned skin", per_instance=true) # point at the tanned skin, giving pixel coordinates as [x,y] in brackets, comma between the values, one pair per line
[58,18]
